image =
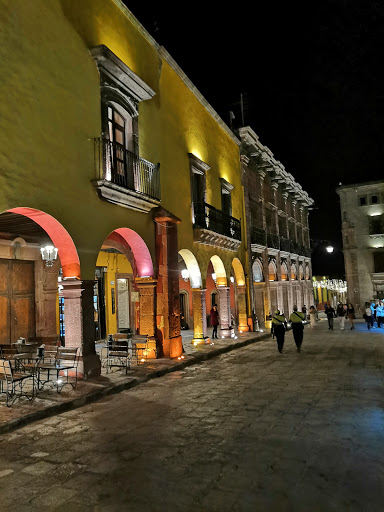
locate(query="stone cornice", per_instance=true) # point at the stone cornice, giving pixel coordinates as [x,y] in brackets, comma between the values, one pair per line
[268,162]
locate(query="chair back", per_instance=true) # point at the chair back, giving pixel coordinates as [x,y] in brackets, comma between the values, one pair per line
[68,356]
[5,370]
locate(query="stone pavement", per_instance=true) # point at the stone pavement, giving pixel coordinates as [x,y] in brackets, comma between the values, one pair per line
[49,402]
[251,430]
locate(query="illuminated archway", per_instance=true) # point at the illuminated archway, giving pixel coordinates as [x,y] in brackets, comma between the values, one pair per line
[272,271]
[193,268]
[218,267]
[67,252]
[293,272]
[239,272]
[284,272]
[257,271]
[134,243]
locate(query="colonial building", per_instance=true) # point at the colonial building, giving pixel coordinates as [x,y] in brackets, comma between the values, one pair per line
[278,239]
[362,213]
[111,156]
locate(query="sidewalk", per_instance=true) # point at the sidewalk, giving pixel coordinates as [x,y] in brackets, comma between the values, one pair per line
[50,403]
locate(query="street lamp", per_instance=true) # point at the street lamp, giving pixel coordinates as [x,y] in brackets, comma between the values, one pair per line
[329,249]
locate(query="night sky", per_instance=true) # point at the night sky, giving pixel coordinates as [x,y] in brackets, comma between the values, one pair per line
[312,78]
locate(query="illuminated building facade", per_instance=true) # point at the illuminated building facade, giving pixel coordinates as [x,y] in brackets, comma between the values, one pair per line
[278,233]
[362,213]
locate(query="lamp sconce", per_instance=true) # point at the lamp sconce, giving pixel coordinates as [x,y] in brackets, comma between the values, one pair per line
[49,255]
[185,274]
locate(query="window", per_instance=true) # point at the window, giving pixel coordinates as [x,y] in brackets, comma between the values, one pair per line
[257,270]
[198,169]
[378,262]
[272,271]
[374,199]
[226,199]
[293,272]
[362,200]
[284,272]
[376,225]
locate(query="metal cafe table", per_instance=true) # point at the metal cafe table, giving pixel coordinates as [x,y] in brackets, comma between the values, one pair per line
[56,369]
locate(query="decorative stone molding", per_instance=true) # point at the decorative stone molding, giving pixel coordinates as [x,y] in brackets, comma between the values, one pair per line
[226,185]
[207,237]
[120,74]
[124,197]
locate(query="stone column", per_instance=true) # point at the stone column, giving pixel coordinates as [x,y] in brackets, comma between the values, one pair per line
[79,324]
[199,317]
[267,291]
[168,299]
[225,311]
[147,312]
[242,308]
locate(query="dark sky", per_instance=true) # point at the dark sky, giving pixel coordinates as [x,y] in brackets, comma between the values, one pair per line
[312,75]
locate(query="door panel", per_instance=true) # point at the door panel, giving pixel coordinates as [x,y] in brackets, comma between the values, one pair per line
[17,300]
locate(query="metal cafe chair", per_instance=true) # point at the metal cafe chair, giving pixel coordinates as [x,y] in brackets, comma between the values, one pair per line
[140,348]
[118,354]
[12,383]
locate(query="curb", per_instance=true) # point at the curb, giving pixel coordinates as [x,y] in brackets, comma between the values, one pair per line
[93,396]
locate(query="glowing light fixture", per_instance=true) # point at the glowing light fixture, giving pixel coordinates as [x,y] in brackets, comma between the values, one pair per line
[214,276]
[232,279]
[49,255]
[185,274]
[329,249]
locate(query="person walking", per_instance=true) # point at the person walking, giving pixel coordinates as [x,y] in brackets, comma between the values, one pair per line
[278,329]
[214,320]
[304,310]
[340,312]
[312,316]
[380,314]
[373,309]
[351,315]
[368,317]
[296,320]
[330,312]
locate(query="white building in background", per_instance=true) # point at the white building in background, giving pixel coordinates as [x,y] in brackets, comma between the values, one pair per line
[362,213]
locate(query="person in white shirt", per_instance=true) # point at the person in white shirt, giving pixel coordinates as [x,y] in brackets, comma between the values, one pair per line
[368,316]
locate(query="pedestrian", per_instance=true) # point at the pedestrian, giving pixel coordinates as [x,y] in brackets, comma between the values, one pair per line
[278,329]
[214,320]
[296,320]
[304,310]
[312,316]
[351,315]
[368,317]
[340,312]
[380,314]
[330,312]
[373,309]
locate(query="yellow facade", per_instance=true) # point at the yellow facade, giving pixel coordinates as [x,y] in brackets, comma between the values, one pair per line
[51,117]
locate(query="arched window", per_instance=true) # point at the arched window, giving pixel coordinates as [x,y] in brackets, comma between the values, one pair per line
[301,271]
[284,272]
[257,270]
[306,272]
[272,271]
[293,272]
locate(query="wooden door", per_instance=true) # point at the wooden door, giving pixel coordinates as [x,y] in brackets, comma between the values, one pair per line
[17,300]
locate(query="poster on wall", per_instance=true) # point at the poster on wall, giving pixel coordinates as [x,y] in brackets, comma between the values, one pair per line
[123,304]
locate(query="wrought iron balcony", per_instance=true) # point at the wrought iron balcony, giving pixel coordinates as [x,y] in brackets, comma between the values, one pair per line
[306,251]
[209,218]
[273,241]
[124,178]
[285,244]
[259,236]
[295,247]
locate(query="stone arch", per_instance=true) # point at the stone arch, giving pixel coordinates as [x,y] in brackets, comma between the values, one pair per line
[272,270]
[293,272]
[257,271]
[218,267]
[284,271]
[239,271]
[134,246]
[193,268]
[60,237]
[301,271]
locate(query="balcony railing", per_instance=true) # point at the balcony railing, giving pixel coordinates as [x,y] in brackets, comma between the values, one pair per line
[208,217]
[119,166]
[259,236]
[285,244]
[273,241]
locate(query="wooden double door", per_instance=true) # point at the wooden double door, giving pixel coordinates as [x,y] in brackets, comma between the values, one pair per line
[17,300]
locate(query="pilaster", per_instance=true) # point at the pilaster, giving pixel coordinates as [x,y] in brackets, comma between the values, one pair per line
[147,312]
[242,308]
[199,317]
[225,311]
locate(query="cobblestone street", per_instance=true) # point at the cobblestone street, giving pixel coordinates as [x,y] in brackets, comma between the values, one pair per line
[252,430]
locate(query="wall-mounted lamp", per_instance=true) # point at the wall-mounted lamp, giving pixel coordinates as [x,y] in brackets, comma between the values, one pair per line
[214,276]
[49,255]
[185,274]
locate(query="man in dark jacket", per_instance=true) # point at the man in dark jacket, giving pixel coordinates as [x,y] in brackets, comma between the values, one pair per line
[278,329]
[296,320]
[330,312]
